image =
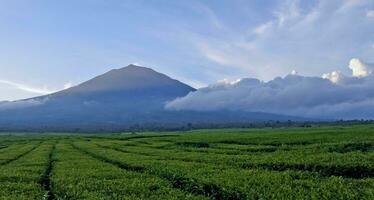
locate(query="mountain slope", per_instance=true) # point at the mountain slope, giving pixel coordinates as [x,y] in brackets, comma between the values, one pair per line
[131,79]
[132,87]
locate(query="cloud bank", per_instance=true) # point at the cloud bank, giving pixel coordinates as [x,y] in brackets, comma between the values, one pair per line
[332,96]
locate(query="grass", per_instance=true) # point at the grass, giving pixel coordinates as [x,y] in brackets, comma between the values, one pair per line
[330,162]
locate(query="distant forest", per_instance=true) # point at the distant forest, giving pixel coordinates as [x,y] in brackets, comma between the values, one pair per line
[180,127]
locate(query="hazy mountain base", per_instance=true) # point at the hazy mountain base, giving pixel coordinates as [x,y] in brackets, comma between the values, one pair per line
[166,120]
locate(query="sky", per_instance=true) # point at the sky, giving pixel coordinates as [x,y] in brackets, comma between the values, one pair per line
[46,46]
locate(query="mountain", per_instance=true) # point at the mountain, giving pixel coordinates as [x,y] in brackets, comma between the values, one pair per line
[131,80]
[120,99]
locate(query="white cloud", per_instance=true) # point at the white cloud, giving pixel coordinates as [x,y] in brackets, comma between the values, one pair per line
[346,5]
[333,96]
[215,55]
[263,28]
[370,14]
[359,68]
[68,85]
[225,82]
[334,76]
[294,72]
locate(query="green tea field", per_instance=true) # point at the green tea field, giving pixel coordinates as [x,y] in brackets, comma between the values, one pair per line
[329,162]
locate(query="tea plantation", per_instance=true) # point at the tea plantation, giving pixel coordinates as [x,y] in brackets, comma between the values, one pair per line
[327,162]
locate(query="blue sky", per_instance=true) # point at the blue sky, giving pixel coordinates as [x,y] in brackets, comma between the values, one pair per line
[48,45]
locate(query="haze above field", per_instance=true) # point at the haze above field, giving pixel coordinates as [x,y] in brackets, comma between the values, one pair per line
[48,46]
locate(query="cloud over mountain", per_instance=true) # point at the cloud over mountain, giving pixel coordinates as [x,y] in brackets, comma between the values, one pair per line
[332,96]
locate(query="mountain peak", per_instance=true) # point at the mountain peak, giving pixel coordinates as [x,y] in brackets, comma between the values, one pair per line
[131,77]
[132,68]
[135,66]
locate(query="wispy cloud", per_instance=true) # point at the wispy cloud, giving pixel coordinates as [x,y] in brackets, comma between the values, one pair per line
[263,28]
[34,90]
[68,85]
[208,14]
[370,13]
[309,38]
[288,11]
[27,88]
